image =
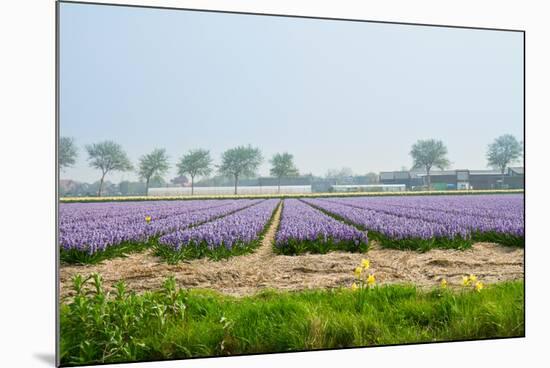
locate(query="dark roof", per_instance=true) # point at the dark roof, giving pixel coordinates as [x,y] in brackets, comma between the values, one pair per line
[485,172]
[394,175]
[438,173]
[517,170]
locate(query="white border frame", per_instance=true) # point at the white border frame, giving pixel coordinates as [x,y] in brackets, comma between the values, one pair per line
[27,151]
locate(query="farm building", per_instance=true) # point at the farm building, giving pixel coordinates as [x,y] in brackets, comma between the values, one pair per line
[457,179]
[515,171]
[408,178]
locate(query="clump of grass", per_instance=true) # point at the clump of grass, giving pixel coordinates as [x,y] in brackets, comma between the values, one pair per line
[97,327]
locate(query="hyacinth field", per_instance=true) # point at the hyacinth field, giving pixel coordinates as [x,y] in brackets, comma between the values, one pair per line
[92,231]
[189,315]
[179,230]
[424,223]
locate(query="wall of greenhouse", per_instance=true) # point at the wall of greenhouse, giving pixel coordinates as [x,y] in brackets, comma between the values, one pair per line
[369,188]
[184,191]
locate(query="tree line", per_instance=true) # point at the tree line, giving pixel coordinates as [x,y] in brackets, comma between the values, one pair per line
[108,156]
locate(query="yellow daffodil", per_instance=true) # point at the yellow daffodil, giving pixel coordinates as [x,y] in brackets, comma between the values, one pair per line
[465,281]
[354,287]
[365,263]
[479,286]
[358,271]
[472,278]
[371,280]
[147,219]
[443,284]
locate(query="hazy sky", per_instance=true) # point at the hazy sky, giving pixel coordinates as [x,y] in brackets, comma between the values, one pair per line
[332,93]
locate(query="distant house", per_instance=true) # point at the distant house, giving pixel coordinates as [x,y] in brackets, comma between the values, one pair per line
[68,186]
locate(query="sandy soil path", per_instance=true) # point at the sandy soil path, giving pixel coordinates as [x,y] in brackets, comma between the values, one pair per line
[248,274]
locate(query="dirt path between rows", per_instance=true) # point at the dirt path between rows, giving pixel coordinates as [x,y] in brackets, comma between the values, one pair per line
[248,274]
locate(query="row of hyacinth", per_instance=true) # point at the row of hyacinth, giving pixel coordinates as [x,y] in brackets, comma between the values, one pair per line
[303,223]
[393,227]
[142,223]
[470,220]
[429,217]
[510,206]
[240,228]
[85,212]
[78,216]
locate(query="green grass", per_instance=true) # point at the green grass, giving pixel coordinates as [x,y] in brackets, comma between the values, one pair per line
[75,256]
[422,245]
[165,252]
[503,239]
[319,246]
[174,323]
[202,250]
